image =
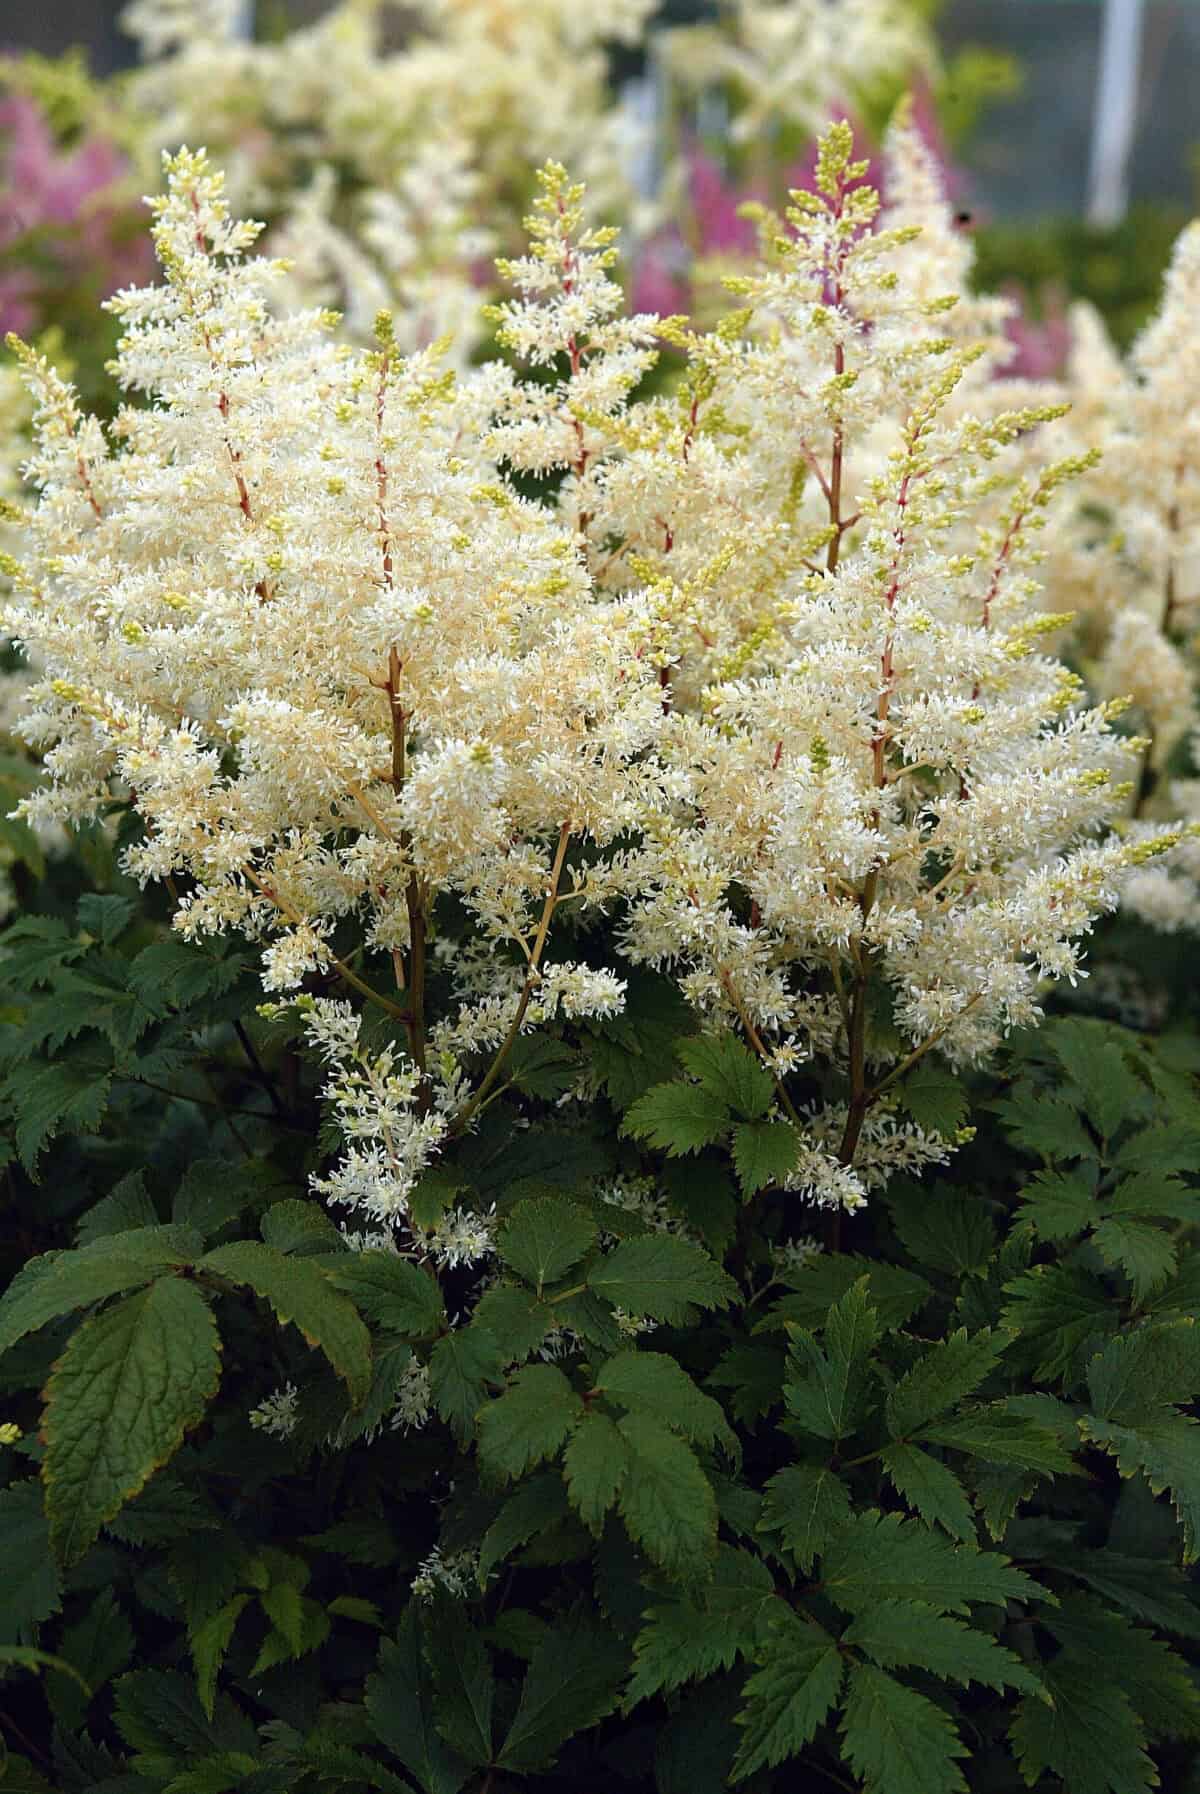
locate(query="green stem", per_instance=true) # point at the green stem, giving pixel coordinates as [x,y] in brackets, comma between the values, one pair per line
[759,1045]
[531,979]
[264,1076]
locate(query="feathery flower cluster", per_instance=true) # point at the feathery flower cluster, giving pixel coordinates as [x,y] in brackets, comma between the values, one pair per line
[414,1399]
[278,1414]
[761,681]
[456,1574]
[1127,561]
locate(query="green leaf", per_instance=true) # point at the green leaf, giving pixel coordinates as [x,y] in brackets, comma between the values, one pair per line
[729,1073]
[363,1539]
[1147,1587]
[204,1570]
[752,1371]
[678,1118]
[391,1292]
[22,1778]
[827,1395]
[542,1066]
[572,1683]
[30,1587]
[399,1706]
[223,1773]
[999,1492]
[934,1097]
[126,1207]
[666,1501]
[1058,1310]
[213,1192]
[701,1194]
[1058,1205]
[1166,1146]
[1090,1736]
[884,1557]
[309,1632]
[326,1418]
[35,947]
[1144,1252]
[942,1228]
[798,1680]
[910,1635]
[516,1319]
[158,1714]
[952,1369]
[660,1276]
[14,1656]
[1180,1296]
[1165,1447]
[806,1503]
[544,1238]
[59,1282]
[528,1422]
[1046,1127]
[70,1091]
[461,1365]
[303,1227]
[1145,1369]
[1099,1070]
[895,1740]
[931,1488]
[1157,1681]
[463,1685]
[209,1643]
[685,1639]
[695,1748]
[894,1294]
[131,1382]
[104,915]
[283,1604]
[432,1195]
[297,1292]
[20,845]
[177,973]
[764,1152]
[595,1464]
[96,1648]
[1148,1193]
[652,1383]
[1000,1437]
[356,1608]
[517,1631]
[536,1505]
[738,1505]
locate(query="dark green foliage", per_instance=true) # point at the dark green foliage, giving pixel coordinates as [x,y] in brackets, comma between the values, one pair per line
[690,1511]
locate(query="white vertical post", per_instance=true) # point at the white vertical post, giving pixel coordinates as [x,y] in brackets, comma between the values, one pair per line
[243,21]
[643,103]
[1115,115]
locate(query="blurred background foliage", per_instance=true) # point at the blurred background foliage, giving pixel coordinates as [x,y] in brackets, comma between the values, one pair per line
[1015,101]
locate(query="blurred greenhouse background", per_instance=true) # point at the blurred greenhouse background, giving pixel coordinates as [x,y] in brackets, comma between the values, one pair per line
[1032,151]
[1070,125]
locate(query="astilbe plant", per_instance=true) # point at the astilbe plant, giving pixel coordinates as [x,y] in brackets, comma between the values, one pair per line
[878,784]
[796,710]
[1124,562]
[344,677]
[593,781]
